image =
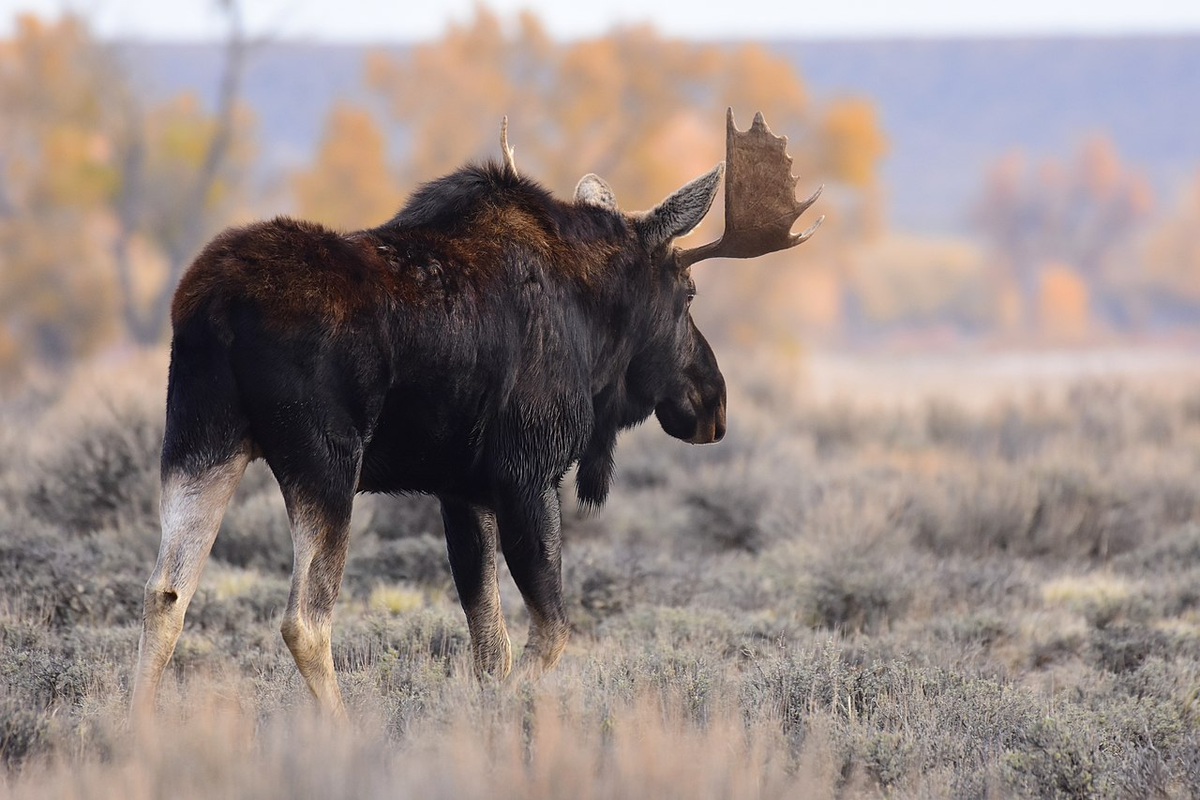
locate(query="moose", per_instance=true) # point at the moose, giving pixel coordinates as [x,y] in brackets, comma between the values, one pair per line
[474,347]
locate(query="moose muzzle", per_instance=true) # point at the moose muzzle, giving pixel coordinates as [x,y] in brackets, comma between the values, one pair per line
[710,422]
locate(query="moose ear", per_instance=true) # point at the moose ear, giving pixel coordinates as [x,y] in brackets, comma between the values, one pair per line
[681,212]
[593,191]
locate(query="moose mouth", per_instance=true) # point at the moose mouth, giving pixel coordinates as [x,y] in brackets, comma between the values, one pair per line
[695,423]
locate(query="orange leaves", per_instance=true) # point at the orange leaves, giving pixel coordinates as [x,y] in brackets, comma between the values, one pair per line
[1172,252]
[91,176]
[1063,306]
[630,105]
[1082,216]
[349,185]
[77,170]
[753,78]
[852,141]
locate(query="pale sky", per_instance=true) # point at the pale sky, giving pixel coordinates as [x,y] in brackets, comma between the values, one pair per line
[401,20]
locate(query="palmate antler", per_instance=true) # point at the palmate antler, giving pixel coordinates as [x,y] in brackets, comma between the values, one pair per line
[760,197]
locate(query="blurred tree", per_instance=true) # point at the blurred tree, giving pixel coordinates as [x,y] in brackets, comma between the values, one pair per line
[1063,311]
[55,170]
[1171,273]
[918,282]
[102,198]
[1084,214]
[852,145]
[643,111]
[179,168]
[349,185]
[852,141]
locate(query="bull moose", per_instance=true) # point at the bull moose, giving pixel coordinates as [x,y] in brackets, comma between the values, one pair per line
[474,347]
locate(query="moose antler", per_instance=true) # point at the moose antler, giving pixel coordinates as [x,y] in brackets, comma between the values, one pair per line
[760,197]
[510,163]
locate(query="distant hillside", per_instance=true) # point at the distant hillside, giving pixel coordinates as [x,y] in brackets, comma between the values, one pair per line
[948,107]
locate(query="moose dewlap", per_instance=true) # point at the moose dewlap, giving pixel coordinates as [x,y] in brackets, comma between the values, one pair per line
[474,347]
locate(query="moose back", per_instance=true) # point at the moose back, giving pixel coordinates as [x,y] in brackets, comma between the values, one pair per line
[474,347]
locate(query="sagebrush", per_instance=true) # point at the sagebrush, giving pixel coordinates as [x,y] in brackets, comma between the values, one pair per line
[840,600]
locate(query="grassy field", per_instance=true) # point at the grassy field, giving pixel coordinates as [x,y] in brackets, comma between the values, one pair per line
[934,598]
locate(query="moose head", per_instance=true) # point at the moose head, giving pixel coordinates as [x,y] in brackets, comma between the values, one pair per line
[676,372]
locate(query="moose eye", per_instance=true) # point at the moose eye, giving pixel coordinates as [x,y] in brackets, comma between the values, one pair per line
[691,291]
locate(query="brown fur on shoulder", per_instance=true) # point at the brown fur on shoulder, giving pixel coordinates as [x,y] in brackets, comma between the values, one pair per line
[290,269]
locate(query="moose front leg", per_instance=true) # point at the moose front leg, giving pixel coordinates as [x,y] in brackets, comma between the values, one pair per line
[471,544]
[529,535]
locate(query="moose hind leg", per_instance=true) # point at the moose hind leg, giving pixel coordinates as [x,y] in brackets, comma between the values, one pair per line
[471,544]
[319,511]
[193,502]
[530,537]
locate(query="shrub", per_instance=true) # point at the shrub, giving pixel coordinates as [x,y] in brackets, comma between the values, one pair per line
[727,517]
[401,517]
[102,472]
[854,594]
[975,510]
[255,533]
[1143,772]
[70,582]
[23,732]
[1080,513]
[1012,603]
[419,560]
[1125,647]
[234,603]
[1055,761]
[412,637]
[1069,511]
[597,589]
[1177,550]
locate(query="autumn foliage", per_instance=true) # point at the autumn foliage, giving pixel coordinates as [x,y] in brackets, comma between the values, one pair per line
[55,171]
[106,195]
[1065,230]
[642,110]
[1172,258]
[349,184]
[103,196]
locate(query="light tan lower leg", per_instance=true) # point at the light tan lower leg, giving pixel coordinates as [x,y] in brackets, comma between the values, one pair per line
[547,640]
[191,509]
[319,557]
[491,649]
[310,645]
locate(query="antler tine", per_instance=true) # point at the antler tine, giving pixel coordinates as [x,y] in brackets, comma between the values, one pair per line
[760,196]
[510,163]
[801,238]
[812,198]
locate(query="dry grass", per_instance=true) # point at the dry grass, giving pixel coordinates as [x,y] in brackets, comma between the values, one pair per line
[920,599]
[523,742]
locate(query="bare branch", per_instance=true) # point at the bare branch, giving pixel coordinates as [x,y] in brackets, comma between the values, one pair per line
[193,229]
